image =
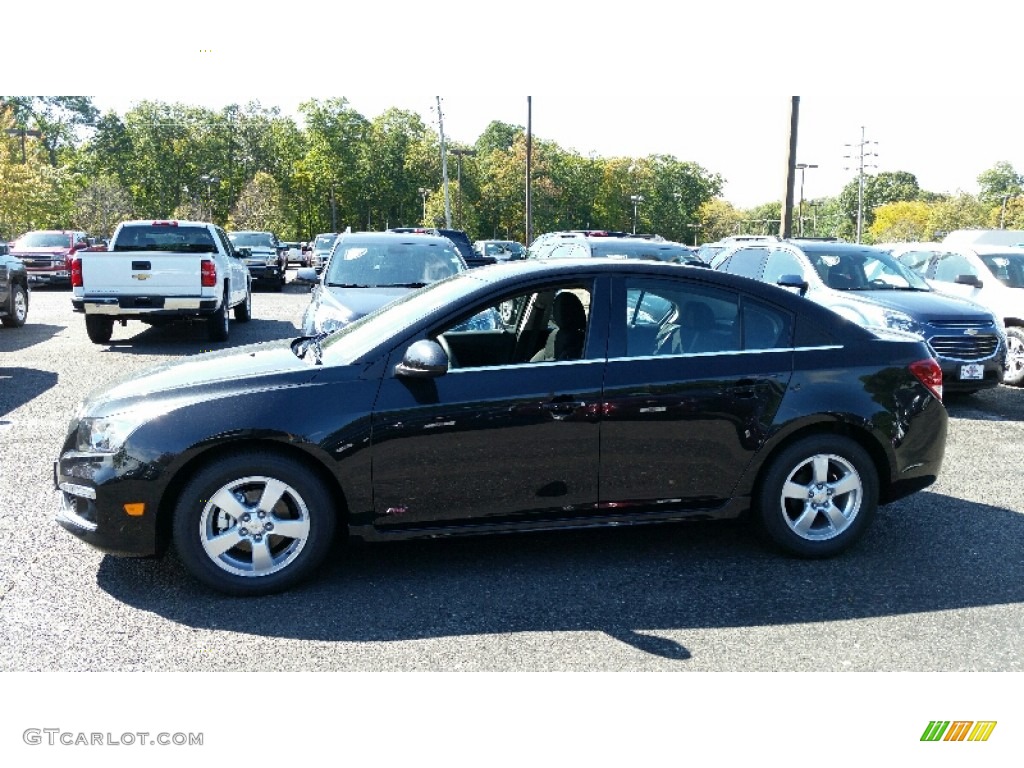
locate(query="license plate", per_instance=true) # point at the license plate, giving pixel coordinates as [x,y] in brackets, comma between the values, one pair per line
[972,371]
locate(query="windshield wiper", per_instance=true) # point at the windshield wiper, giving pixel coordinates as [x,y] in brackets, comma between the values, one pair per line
[301,346]
[348,285]
[401,285]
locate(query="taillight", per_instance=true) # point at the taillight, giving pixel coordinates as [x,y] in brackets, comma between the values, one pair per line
[929,373]
[75,267]
[209,274]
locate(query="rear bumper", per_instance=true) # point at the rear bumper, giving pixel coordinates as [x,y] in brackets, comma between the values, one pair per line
[137,306]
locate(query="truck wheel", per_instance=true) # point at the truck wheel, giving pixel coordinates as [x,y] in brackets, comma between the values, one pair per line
[19,308]
[217,323]
[99,328]
[243,311]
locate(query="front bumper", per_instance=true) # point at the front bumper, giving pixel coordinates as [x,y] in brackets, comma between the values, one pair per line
[264,273]
[105,506]
[60,277]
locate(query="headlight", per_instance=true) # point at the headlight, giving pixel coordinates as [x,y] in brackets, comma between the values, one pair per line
[883,317]
[271,260]
[330,319]
[105,434]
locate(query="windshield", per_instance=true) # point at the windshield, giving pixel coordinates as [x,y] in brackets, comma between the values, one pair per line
[45,240]
[251,239]
[1008,268]
[324,242]
[864,270]
[172,239]
[400,263]
[358,338]
[501,249]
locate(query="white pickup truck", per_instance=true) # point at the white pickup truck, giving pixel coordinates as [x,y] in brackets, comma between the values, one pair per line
[160,272]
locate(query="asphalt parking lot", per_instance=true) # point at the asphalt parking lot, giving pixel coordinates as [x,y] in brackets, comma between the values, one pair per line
[937,584]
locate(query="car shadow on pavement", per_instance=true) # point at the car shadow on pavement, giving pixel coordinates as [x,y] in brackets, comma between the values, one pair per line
[191,338]
[30,384]
[926,553]
[30,334]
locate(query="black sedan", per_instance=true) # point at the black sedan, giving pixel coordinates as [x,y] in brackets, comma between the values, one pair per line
[612,392]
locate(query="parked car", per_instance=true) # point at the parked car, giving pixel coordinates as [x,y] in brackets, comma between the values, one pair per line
[458,237]
[870,287]
[14,290]
[320,249]
[368,269]
[502,250]
[561,245]
[251,459]
[262,255]
[990,275]
[292,253]
[45,254]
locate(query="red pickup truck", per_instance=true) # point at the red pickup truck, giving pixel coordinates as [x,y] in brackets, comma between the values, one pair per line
[45,253]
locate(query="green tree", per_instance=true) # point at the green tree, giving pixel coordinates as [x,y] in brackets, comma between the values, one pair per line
[58,119]
[259,205]
[716,218]
[999,181]
[962,211]
[101,206]
[903,221]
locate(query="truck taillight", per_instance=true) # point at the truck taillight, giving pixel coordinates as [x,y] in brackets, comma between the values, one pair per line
[929,373]
[209,274]
[75,268]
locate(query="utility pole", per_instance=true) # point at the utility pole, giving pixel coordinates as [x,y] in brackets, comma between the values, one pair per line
[444,169]
[23,132]
[529,156]
[861,165]
[786,223]
[459,153]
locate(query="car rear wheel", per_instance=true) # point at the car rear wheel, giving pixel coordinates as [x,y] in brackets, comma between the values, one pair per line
[818,496]
[18,308]
[99,328]
[1014,372]
[253,524]
[217,323]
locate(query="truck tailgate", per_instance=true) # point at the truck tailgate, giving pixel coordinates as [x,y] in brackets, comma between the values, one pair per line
[141,273]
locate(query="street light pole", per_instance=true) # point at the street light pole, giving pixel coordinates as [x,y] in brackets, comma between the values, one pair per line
[423,194]
[802,167]
[637,199]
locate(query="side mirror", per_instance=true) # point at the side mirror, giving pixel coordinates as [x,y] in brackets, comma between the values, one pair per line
[972,280]
[424,359]
[793,281]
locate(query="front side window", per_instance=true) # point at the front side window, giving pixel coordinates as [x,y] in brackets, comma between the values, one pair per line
[545,325]
[949,266]
[782,263]
[747,262]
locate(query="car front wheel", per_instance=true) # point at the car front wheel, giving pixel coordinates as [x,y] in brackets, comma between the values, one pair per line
[818,496]
[253,524]
[1014,373]
[18,308]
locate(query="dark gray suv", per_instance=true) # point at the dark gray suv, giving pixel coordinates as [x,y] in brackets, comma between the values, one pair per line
[871,288]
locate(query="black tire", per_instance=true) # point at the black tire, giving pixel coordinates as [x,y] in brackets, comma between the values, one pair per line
[217,323]
[1013,374]
[100,328]
[18,307]
[243,311]
[225,517]
[817,496]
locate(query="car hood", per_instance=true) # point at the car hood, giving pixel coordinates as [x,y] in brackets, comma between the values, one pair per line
[922,305]
[356,302]
[222,373]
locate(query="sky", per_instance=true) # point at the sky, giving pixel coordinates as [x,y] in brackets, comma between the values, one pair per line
[927,91]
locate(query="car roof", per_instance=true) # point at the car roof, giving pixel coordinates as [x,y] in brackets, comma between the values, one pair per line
[404,237]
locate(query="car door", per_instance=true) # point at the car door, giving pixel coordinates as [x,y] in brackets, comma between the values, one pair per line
[499,437]
[695,376]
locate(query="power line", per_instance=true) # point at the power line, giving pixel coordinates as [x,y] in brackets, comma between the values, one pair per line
[861,165]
